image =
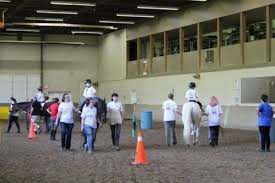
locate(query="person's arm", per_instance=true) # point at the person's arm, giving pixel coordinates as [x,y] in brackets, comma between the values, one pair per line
[58,116]
[49,110]
[82,123]
[121,110]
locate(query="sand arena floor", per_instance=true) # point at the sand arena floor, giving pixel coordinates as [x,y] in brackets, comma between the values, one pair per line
[236,159]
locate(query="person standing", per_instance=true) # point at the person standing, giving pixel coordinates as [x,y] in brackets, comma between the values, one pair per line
[264,120]
[115,111]
[53,111]
[46,114]
[214,113]
[36,112]
[89,125]
[13,116]
[170,108]
[66,118]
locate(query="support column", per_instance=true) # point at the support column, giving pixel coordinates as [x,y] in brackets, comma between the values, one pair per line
[242,35]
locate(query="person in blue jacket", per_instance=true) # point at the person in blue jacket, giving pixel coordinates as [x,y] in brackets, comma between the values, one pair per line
[264,119]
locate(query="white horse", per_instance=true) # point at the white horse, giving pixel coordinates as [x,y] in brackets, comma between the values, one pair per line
[191,117]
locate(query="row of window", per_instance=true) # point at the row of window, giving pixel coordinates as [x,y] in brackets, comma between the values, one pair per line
[230,34]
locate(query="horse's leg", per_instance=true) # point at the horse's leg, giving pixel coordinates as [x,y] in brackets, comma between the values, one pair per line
[186,133]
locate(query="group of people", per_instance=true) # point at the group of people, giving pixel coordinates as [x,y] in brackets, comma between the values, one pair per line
[62,114]
[213,111]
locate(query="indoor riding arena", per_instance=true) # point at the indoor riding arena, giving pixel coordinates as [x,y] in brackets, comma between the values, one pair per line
[118,91]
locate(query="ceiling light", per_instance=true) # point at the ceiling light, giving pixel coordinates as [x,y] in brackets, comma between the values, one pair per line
[60,25]
[116,22]
[198,0]
[22,30]
[57,12]
[5,1]
[158,7]
[69,3]
[45,19]
[87,32]
[135,15]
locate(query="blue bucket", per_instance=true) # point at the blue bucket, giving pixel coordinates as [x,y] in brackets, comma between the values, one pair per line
[146,120]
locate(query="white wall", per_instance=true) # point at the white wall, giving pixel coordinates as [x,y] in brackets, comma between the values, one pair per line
[65,66]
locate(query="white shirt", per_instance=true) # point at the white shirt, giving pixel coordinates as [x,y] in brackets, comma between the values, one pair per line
[115,109]
[213,115]
[89,116]
[89,92]
[67,112]
[170,108]
[40,97]
[191,94]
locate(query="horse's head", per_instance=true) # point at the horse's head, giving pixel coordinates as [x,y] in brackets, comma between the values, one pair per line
[101,106]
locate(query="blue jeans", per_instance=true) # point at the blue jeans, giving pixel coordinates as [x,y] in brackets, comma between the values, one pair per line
[66,134]
[53,120]
[90,135]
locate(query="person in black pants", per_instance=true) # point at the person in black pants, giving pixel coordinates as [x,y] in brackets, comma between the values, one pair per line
[265,115]
[13,116]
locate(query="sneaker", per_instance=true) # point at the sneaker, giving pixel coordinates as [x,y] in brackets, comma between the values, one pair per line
[113,147]
[261,150]
[18,132]
[90,152]
[117,148]
[268,150]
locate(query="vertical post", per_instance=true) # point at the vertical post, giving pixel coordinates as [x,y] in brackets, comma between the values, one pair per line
[127,58]
[219,40]
[151,55]
[138,56]
[199,40]
[181,41]
[165,50]
[268,20]
[242,35]
[42,38]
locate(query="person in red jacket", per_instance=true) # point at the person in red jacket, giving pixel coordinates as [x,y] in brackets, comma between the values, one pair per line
[53,111]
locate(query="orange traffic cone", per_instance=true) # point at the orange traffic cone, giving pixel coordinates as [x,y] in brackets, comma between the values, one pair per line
[140,157]
[31,131]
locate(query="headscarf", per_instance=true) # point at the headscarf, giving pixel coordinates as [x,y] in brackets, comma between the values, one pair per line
[214,101]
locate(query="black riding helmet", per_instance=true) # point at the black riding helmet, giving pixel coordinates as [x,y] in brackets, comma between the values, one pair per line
[88,81]
[192,85]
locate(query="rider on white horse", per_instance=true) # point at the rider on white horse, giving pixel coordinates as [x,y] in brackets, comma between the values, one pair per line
[191,115]
[89,92]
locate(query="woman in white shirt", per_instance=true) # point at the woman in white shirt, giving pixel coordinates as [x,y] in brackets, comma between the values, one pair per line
[115,110]
[66,118]
[170,109]
[214,113]
[89,124]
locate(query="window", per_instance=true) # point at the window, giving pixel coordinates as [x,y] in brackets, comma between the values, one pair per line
[255,25]
[230,30]
[158,44]
[173,46]
[144,47]
[209,34]
[132,50]
[273,20]
[190,38]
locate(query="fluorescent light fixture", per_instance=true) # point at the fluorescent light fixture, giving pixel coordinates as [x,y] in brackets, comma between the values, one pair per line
[116,22]
[70,3]
[198,0]
[57,12]
[45,19]
[5,1]
[22,30]
[135,15]
[43,42]
[35,24]
[86,32]
[158,7]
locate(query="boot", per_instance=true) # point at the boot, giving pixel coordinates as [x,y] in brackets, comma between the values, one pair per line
[54,132]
